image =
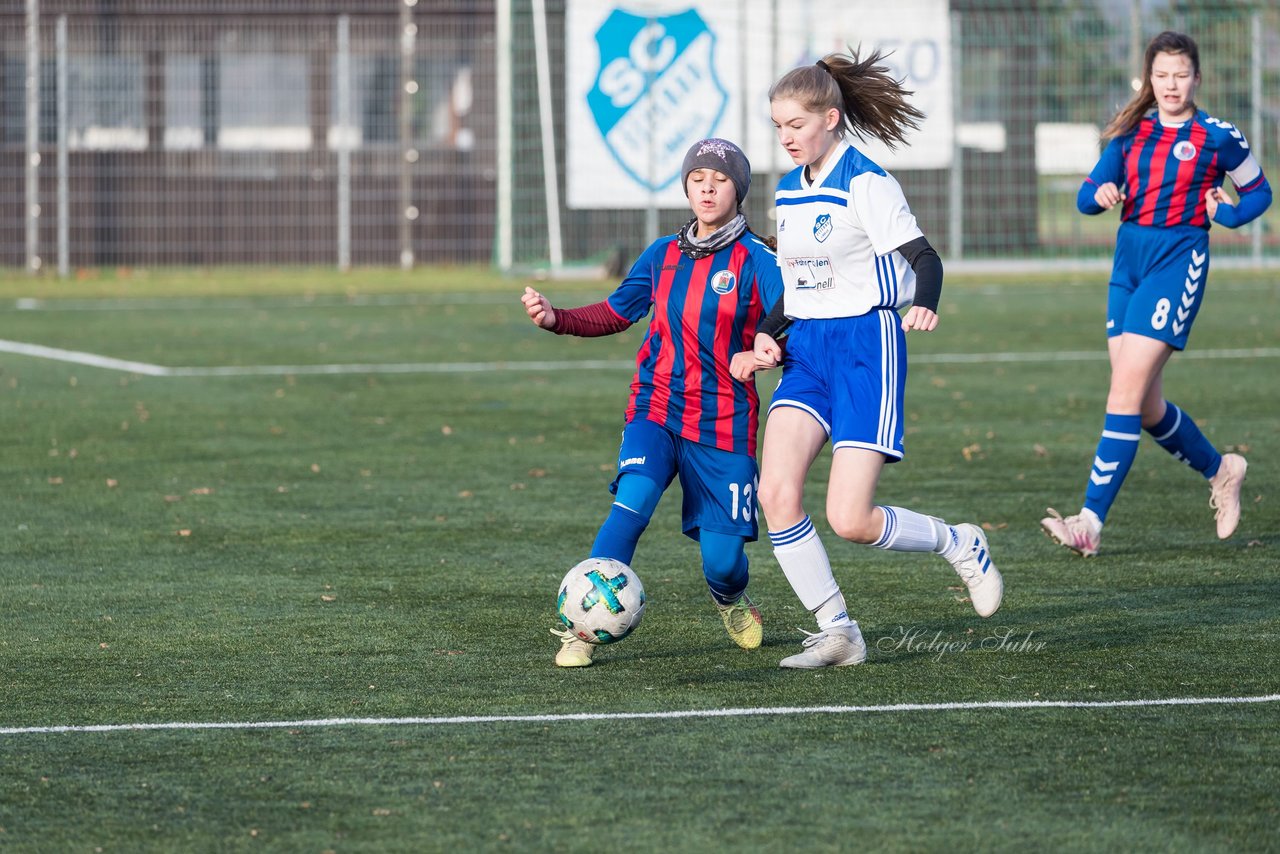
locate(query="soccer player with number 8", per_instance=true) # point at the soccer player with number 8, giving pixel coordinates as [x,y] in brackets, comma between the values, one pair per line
[1164,167]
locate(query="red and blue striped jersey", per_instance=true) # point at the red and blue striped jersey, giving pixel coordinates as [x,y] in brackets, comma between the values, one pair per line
[704,311]
[1165,171]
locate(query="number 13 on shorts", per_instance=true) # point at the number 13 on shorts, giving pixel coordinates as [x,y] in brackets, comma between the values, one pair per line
[742,501]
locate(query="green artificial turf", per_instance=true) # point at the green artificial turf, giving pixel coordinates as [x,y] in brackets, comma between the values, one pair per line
[299,547]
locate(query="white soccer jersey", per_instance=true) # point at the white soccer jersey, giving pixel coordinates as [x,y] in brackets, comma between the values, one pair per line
[838,236]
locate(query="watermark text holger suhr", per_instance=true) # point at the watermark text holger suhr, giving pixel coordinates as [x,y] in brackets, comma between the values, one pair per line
[921,640]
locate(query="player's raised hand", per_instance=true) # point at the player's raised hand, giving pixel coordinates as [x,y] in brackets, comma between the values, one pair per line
[538,308]
[1108,195]
[918,317]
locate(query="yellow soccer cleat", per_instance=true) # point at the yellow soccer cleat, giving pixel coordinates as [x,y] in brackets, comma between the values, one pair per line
[742,622]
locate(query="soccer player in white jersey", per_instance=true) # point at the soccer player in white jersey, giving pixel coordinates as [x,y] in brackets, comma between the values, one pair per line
[852,257]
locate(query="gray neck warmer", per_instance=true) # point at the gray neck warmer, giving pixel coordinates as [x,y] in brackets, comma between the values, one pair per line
[726,234]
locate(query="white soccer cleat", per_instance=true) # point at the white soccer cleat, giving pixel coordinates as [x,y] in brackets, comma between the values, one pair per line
[1074,532]
[1225,493]
[836,647]
[573,652]
[986,587]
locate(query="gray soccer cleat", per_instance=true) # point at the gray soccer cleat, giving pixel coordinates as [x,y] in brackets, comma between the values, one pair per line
[836,647]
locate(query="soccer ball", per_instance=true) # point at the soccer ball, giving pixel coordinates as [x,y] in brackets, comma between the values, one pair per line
[601,600]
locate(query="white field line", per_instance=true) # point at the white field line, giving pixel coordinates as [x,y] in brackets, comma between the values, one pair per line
[398,368]
[57,354]
[780,711]
[483,297]
[256,303]
[97,361]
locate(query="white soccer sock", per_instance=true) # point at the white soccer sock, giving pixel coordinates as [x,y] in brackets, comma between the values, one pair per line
[804,562]
[909,531]
[832,613]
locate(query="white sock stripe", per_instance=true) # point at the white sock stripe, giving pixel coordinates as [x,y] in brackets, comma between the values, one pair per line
[1124,437]
[1177,422]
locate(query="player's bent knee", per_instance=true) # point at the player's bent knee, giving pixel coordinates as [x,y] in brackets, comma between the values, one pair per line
[779,500]
[856,528]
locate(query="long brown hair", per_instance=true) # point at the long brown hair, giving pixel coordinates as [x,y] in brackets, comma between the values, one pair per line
[870,101]
[1141,103]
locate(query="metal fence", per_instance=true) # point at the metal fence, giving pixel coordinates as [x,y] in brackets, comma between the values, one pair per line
[395,132]
[230,132]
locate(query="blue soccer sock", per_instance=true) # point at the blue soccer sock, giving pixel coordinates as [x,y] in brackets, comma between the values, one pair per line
[619,534]
[1180,436]
[1112,461]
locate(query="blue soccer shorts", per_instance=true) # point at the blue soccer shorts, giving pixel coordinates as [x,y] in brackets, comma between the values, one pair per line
[719,486]
[850,374]
[1158,282]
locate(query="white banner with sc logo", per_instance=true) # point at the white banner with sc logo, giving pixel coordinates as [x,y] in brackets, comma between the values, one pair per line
[647,79]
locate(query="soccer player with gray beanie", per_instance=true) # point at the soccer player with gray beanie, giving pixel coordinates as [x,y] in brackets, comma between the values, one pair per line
[707,286]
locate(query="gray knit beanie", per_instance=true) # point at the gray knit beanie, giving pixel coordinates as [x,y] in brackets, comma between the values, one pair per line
[722,156]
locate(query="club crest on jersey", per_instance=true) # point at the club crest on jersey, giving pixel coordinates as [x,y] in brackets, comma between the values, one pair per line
[822,227]
[724,282]
[656,92]
[1185,150]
